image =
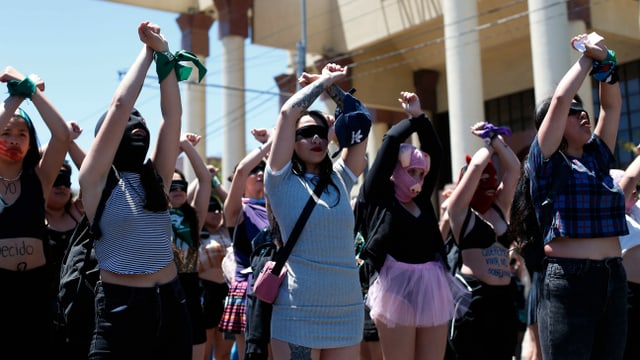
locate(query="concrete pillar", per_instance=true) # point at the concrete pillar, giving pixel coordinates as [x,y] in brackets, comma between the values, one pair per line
[233,24]
[425,83]
[464,77]
[195,38]
[550,51]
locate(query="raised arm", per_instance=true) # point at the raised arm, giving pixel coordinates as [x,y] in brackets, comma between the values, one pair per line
[610,110]
[58,143]
[76,153]
[429,141]
[167,147]
[510,166]
[284,133]
[459,202]
[233,203]
[93,173]
[552,128]
[33,88]
[200,201]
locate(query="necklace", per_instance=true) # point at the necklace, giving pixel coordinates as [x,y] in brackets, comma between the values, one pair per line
[10,180]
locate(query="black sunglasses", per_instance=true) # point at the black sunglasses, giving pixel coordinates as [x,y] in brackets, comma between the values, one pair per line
[178,185]
[576,109]
[307,132]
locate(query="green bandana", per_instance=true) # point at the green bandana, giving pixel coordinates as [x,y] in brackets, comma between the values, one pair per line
[24,88]
[166,62]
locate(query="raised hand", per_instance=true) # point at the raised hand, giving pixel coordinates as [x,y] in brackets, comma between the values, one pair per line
[10,73]
[597,51]
[262,135]
[334,71]
[306,78]
[150,35]
[74,129]
[189,139]
[410,103]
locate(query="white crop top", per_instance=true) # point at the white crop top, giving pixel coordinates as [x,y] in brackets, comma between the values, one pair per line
[134,240]
[633,223]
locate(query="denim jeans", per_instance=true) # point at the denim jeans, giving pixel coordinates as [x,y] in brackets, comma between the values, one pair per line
[632,350]
[141,323]
[582,312]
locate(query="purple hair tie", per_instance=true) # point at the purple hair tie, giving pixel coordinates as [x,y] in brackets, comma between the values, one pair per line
[489,130]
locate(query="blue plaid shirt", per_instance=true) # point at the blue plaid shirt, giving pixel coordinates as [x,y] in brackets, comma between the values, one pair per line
[590,205]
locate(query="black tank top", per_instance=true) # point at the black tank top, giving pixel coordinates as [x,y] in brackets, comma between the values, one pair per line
[25,217]
[57,243]
[482,235]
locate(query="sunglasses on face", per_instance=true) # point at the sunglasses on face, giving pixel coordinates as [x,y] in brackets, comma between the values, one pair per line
[178,185]
[574,112]
[577,109]
[256,170]
[308,132]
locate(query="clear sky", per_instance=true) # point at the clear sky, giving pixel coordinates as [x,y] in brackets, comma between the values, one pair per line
[80,47]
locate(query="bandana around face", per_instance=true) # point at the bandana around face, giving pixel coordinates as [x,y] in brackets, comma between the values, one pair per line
[406,186]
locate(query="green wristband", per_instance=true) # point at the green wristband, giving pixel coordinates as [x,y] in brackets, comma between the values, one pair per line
[611,57]
[215,182]
[167,62]
[24,88]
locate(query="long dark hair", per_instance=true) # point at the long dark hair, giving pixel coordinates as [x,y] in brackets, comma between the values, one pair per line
[523,223]
[299,168]
[33,156]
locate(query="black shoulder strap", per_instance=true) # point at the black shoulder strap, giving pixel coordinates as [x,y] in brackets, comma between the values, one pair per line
[94,229]
[465,223]
[112,179]
[497,208]
[297,229]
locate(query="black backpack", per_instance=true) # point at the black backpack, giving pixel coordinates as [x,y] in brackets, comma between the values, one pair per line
[79,274]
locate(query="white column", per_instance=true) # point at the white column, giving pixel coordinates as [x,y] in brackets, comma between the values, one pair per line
[464,78]
[233,109]
[194,113]
[549,32]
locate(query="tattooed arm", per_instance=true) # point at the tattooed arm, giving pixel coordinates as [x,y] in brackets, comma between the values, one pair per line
[333,90]
[284,133]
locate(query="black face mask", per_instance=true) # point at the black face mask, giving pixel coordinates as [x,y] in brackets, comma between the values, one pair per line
[133,149]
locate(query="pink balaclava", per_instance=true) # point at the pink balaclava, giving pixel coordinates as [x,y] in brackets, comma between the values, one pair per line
[406,186]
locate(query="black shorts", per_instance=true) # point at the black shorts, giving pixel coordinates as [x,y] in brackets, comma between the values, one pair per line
[213,296]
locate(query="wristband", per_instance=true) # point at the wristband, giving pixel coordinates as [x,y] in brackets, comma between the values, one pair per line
[166,62]
[606,70]
[489,131]
[25,88]
[215,182]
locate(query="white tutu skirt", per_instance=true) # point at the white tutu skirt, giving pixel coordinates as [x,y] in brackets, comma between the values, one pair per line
[417,295]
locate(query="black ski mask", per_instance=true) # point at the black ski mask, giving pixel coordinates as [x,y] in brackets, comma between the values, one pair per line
[133,147]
